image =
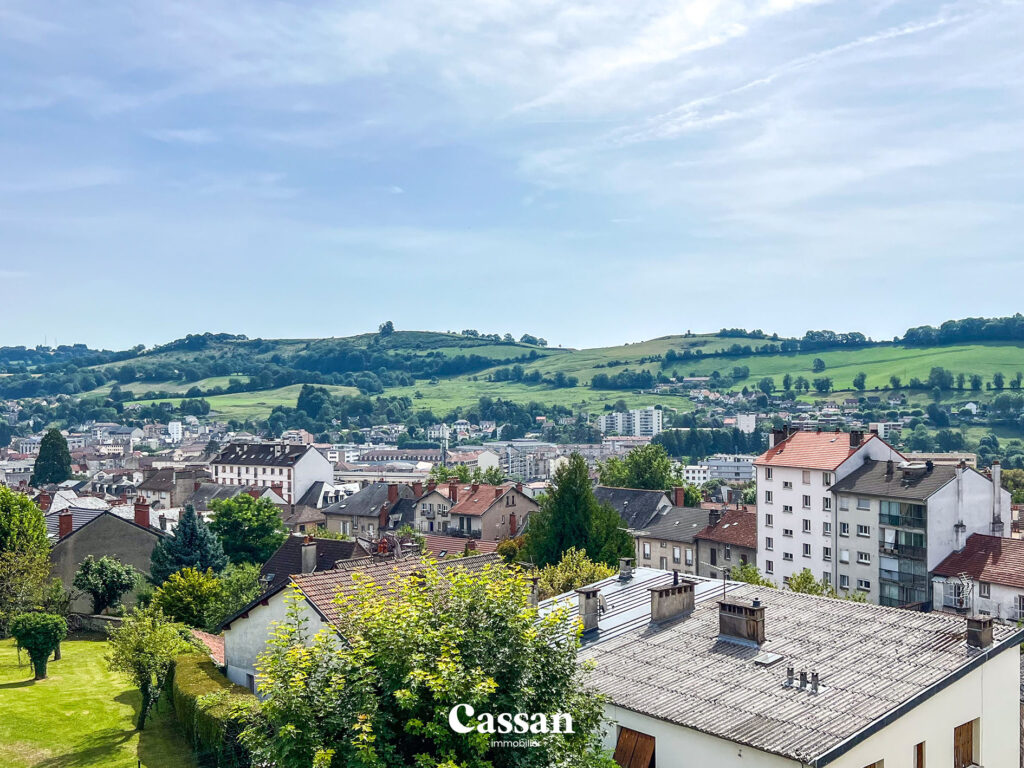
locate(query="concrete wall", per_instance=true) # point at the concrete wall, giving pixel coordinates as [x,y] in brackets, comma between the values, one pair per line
[989,694]
[107,535]
[972,503]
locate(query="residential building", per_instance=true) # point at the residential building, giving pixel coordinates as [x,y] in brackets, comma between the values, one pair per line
[639,422]
[731,468]
[746,423]
[295,467]
[169,487]
[305,554]
[797,522]
[667,542]
[175,432]
[638,508]
[896,522]
[368,511]
[985,577]
[696,474]
[489,512]
[730,539]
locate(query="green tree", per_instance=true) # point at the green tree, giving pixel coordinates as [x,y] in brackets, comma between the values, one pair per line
[53,464]
[190,596]
[823,384]
[439,473]
[976,382]
[22,526]
[386,328]
[805,583]
[493,476]
[818,365]
[573,571]
[192,545]
[40,635]
[143,649]
[648,467]
[23,584]
[453,642]
[463,474]
[106,581]
[787,382]
[239,586]
[766,385]
[250,530]
[860,381]
[998,380]
[749,573]
[570,516]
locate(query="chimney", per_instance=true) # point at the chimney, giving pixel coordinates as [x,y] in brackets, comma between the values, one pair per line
[670,600]
[778,435]
[163,522]
[958,530]
[431,485]
[64,522]
[142,512]
[625,568]
[195,485]
[453,492]
[498,490]
[392,494]
[44,500]
[979,631]
[278,488]
[589,607]
[714,517]
[890,468]
[997,498]
[519,487]
[856,438]
[534,590]
[308,555]
[473,489]
[738,620]
[679,496]
[417,489]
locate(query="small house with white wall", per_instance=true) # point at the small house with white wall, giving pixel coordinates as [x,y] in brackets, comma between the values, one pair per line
[985,576]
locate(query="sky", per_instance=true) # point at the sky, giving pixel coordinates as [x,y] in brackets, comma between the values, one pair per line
[592,172]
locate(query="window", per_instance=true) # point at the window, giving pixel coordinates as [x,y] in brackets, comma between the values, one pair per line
[863,503]
[826,529]
[767,497]
[844,555]
[787,508]
[984,590]
[826,577]
[844,503]
[767,473]
[826,478]
[826,503]
[919,756]
[807,526]
[864,584]
[689,556]
[662,545]
[963,745]
[844,529]
[663,563]
[713,574]
[826,554]
[769,566]
[769,520]
[788,556]
[714,557]
[844,582]
[787,532]
[769,543]
[864,558]
[807,550]
[807,502]
[864,530]
[728,552]
[786,485]
[634,749]
[647,550]
[677,555]
[805,477]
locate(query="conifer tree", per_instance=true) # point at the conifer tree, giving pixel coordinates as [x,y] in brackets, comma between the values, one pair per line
[192,545]
[53,465]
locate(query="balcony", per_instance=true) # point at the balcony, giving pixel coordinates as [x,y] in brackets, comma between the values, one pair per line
[464,534]
[902,550]
[902,521]
[898,577]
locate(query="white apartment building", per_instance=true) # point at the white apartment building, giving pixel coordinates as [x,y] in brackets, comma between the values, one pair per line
[746,423]
[696,474]
[266,465]
[730,468]
[174,431]
[796,515]
[639,422]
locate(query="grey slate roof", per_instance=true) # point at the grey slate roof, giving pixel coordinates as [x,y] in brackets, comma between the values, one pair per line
[287,560]
[636,507]
[367,501]
[200,498]
[79,517]
[262,454]
[311,498]
[676,524]
[871,661]
[871,480]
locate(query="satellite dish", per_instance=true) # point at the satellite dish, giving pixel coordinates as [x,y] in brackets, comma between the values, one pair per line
[602,604]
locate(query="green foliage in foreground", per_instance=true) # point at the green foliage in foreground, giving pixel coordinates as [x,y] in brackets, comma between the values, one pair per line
[209,709]
[573,571]
[413,649]
[39,634]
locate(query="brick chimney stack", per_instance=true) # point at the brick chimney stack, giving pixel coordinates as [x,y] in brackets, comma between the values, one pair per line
[44,500]
[431,485]
[142,512]
[392,494]
[64,522]
[453,492]
[417,489]
[679,496]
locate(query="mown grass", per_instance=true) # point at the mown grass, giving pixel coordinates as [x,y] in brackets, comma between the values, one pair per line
[255,405]
[81,716]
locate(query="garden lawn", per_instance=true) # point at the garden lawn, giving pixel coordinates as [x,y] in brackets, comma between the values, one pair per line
[81,716]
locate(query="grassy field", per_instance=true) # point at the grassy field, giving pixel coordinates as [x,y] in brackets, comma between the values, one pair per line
[142,387]
[81,716]
[255,405]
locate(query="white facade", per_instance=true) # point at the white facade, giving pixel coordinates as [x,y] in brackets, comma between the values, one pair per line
[695,474]
[174,431]
[295,480]
[988,697]
[734,468]
[986,598]
[746,423]
[639,422]
[796,514]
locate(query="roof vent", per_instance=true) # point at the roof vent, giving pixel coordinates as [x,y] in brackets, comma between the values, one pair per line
[671,600]
[979,631]
[741,621]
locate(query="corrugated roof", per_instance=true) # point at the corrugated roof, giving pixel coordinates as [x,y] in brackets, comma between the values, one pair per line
[870,660]
[987,558]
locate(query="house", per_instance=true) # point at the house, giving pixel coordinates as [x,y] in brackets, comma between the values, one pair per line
[797,520]
[729,539]
[245,633]
[637,507]
[489,512]
[456,546]
[704,673]
[169,487]
[985,577]
[896,523]
[366,512]
[696,474]
[667,542]
[294,467]
[206,493]
[732,468]
[78,533]
[431,510]
[305,554]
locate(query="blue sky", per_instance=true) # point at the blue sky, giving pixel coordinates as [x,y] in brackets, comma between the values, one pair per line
[594,172]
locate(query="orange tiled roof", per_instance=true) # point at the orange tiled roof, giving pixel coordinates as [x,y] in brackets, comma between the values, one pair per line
[812,450]
[476,502]
[737,528]
[987,558]
[454,545]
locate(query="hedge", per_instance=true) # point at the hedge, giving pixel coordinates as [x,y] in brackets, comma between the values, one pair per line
[206,704]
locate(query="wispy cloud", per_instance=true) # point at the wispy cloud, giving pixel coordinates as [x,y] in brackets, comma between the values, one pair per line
[185,136]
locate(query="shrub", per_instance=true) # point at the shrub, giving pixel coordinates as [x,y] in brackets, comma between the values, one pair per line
[40,635]
[210,709]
